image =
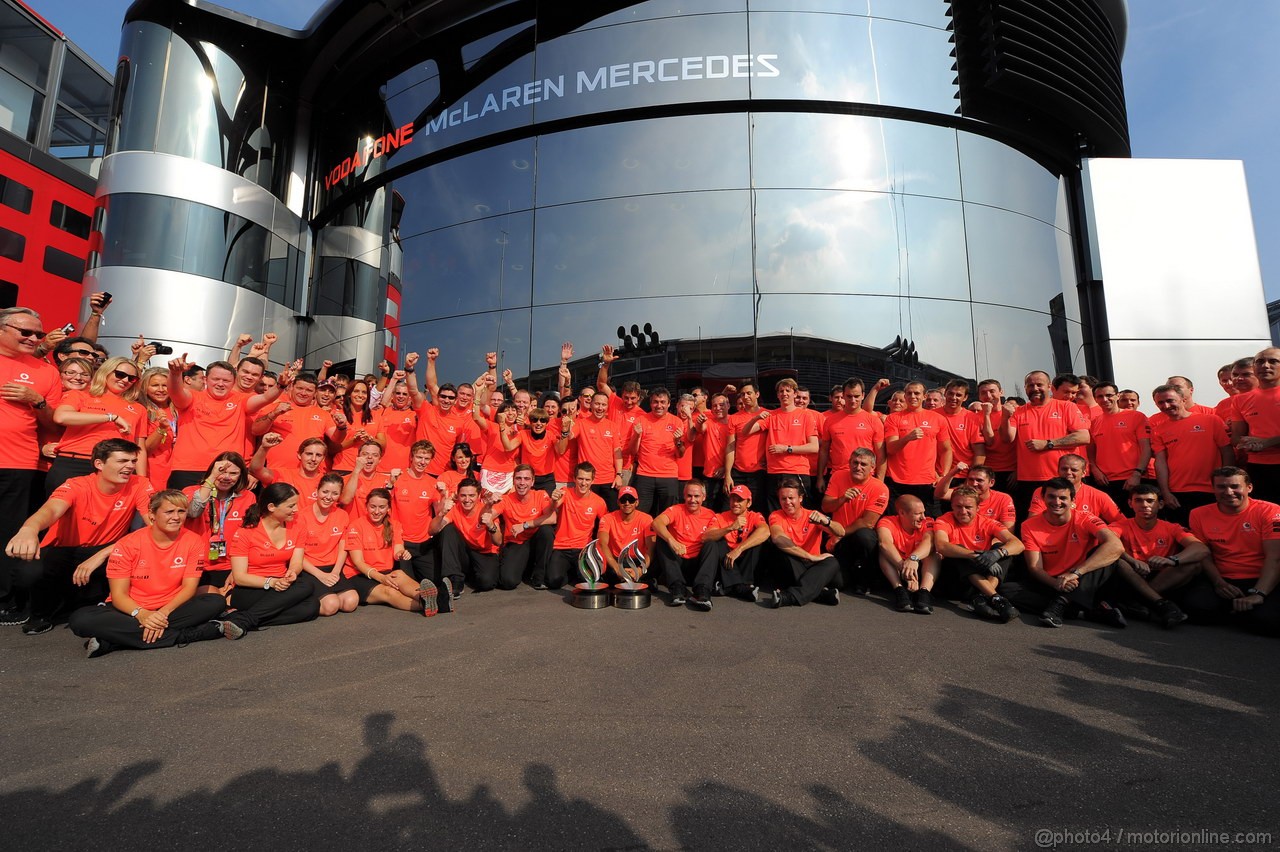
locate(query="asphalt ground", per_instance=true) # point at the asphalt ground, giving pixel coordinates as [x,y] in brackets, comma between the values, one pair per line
[521,722]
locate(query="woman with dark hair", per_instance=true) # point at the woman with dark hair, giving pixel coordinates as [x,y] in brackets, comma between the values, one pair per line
[364,479]
[322,531]
[353,427]
[461,461]
[108,409]
[265,563]
[503,446]
[375,547]
[216,511]
[162,425]
[305,477]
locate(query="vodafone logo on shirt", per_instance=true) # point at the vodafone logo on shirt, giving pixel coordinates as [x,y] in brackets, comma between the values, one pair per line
[1054,415]
[119,505]
[1162,541]
[230,406]
[1247,527]
[178,561]
[24,378]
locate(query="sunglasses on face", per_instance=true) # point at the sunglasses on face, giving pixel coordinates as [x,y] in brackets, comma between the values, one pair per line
[537,419]
[27,332]
[83,353]
[124,377]
[444,397]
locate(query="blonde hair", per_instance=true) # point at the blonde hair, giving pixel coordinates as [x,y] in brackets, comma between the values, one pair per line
[98,386]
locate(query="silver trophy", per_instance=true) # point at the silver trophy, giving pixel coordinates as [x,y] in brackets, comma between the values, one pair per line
[591,593]
[631,593]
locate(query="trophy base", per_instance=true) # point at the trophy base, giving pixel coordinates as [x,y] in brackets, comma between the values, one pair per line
[590,596]
[632,596]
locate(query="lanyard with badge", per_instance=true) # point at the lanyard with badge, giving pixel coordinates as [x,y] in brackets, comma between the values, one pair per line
[217,524]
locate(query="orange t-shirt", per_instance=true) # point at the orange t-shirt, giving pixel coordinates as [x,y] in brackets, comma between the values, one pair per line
[622,531]
[538,454]
[873,496]
[964,429]
[210,426]
[413,505]
[1062,547]
[370,540]
[349,457]
[95,518]
[443,431]
[916,462]
[156,571]
[749,450]
[308,486]
[803,532]
[475,534]
[576,519]
[1055,419]
[401,429]
[1088,500]
[1115,438]
[848,432]
[81,439]
[1236,540]
[733,538]
[982,534]
[265,559]
[792,429]
[625,418]
[596,441]
[656,455]
[1192,448]
[1161,540]
[998,507]
[320,539]
[20,449]
[226,515]
[564,463]
[906,542]
[1002,456]
[497,458]
[687,528]
[295,426]
[1226,409]
[517,511]
[365,484]
[715,441]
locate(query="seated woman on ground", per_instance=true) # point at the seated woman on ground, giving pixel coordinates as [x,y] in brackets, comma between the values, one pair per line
[374,550]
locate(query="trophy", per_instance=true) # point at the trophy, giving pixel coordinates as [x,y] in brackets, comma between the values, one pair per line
[591,593]
[631,593]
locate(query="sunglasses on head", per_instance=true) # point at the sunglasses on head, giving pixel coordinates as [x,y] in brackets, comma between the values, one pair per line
[123,376]
[27,332]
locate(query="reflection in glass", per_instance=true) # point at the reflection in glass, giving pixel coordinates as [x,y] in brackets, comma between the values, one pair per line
[1011,342]
[474,186]
[638,157]
[1013,259]
[464,340]
[651,245]
[929,12]
[475,266]
[998,175]
[147,47]
[663,9]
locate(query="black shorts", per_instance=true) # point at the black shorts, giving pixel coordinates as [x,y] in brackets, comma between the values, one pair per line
[363,586]
[217,579]
[319,590]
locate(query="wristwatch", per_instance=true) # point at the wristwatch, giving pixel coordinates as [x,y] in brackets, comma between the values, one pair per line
[41,405]
[267,584]
[1260,594]
[136,610]
[1176,560]
[913,558]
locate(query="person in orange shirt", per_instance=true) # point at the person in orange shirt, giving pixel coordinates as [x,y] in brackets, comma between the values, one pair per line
[321,530]
[964,427]
[1183,384]
[414,502]
[745,456]
[364,479]
[919,446]
[1238,579]
[1163,554]
[992,504]
[295,419]
[849,427]
[1071,556]
[209,421]
[84,518]
[530,532]
[598,440]
[266,560]
[803,401]
[304,476]
[577,512]
[470,535]
[856,499]
[396,422]
[162,424]
[1256,427]
[446,421]
[978,549]
[536,445]
[624,409]
[216,509]
[907,559]
[657,441]
[1188,448]
[791,436]
[1087,499]
[1001,456]
[108,409]
[353,425]
[731,549]
[678,545]
[153,574]
[619,529]
[800,536]
[502,440]
[1120,445]
[1041,431]
[712,427]
[375,553]
[1128,400]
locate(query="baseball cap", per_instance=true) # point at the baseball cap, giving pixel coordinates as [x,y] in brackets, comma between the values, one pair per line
[628,491]
[740,491]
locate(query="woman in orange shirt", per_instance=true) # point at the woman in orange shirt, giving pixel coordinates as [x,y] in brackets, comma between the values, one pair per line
[216,511]
[361,427]
[374,551]
[460,468]
[162,425]
[108,409]
[265,563]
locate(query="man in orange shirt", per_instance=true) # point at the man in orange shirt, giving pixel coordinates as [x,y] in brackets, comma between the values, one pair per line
[295,420]
[30,391]
[657,441]
[919,446]
[1163,554]
[907,559]
[620,528]
[1041,431]
[598,441]
[1184,384]
[85,516]
[1256,427]
[469,533]
[801,536]
[820,424]
[1002,456]
[995,505]
[577,512]
[678,545]
[413,504]
[1238,579]
[979,550]
[1087,499]
[964,427]
[731,548]
[1188,448]
[624,407]
[856,499]
[396,421]
[713,435]
[444,418]
[745,457]
[530,530]
[791,436]
[1120,445]
[849,427]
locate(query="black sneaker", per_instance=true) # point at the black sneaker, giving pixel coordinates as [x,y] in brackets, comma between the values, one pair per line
[861,589]
[984,608]
[13,617]
[1006,611]
[94,648]
[540,586]
[718,591]
[701,602]
[1054,614]
[678,596]
[199,633]
[36,625]
[902,599]
[752,594]
[1135,611]
[1168,614]
[923,602]
[1106,614]
[446,600]
[830,597]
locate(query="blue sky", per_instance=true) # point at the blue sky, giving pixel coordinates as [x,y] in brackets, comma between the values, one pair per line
[1196,74]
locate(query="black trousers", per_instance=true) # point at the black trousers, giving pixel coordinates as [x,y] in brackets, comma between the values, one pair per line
[606,492]
[1022,494]
[1116,491]
[953,576]
[711,562]
[676,571]
[715,501]
[425,564]
[1266,481]
[562,568]
[810,578]
[924,492]
[657,493]
[15,503]
[859,556]
[1092,588]
[180,479]
[257,608]
[1202,603]
[113,627]
[48,581]
[529,556]
[1187,500]
[545,483]
[757,481]
[64,468]
[457,560]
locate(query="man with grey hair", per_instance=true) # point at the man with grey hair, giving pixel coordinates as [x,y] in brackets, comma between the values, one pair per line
[30,390]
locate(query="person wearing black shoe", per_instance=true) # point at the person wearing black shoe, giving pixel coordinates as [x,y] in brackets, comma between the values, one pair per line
[153,574]
[85,516]
[731,549]
[1159,554]
[620,528]
[801,537]
[978,550]
[578,511]
[907,559]
[677,547]
[856,499]
[470,536]
[1070,555]
[529,531]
